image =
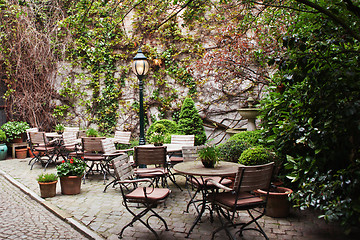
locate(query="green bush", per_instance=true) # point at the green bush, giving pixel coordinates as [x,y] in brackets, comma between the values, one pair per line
[231,150]
[2,136]
[251,137]
[190,122]
[14,129]
[164,126]
[256,156]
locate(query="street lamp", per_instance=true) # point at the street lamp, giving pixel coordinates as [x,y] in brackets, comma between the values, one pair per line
[140,67]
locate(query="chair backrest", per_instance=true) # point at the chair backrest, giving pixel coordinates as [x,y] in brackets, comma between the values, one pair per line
[122,168]
[69,138]
[150,155]
[185,140]
[108,145]
[71,129]
[92,144]
[31,130]
[122,137]
[251,178]
[190,153]
[37,138]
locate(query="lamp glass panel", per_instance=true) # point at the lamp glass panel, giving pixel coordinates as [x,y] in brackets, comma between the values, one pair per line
[140,67]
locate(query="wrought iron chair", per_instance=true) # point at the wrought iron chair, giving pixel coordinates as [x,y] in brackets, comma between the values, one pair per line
[155,160]
[28,139]
[132,192]
[41,148]
[243,196]
[71,146]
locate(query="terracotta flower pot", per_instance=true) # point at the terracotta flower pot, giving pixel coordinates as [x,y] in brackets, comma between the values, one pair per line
[47,189]
[21,153]
[278,204]
[70,185]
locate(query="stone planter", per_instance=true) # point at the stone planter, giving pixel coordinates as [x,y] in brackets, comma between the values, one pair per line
[278,205]
[47,189]
[21,153]
[70,185]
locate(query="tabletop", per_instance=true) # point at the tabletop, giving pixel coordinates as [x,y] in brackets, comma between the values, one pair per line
[196,168]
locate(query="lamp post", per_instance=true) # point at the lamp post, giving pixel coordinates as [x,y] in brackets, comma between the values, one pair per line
[140,67]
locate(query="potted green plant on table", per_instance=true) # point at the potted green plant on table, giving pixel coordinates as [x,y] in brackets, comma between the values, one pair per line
[47,183]
[3,147]
[15,130]
[278,204]
[59,128]
[70,173]
[208,156]
[157,139]
[91,132]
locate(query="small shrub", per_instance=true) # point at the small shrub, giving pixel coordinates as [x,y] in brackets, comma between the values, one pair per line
[47,177]
[14,129]
[164,126]
[231,150]
[2,136]
[253,138]
[255,156]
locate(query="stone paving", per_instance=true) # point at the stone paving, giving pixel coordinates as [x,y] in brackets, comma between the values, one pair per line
[104,215]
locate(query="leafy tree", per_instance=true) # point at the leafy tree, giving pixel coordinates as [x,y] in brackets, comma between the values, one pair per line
[312,111]
[190,122]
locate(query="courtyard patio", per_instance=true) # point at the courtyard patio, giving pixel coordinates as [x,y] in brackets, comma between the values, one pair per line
[104,214]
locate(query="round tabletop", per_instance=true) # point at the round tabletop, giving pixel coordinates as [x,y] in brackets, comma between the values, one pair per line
[196,168]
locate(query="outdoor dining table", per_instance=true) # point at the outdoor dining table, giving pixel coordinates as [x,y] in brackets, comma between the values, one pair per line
[196,168]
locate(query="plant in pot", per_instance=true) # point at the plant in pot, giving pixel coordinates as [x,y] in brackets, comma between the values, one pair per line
[3,147]
[15,130]
[157,139]
[70,173]
[47,183]
[59,128]
[278,204]
[208,156]
[91,132]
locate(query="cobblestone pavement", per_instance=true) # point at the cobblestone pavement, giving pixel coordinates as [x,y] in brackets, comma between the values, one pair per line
[104,214]
[21,217]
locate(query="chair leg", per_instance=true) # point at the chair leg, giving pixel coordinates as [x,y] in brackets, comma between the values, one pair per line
[224,225]
[254,220]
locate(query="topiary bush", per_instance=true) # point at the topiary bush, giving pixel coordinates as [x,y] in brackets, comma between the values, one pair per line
[164,126]
[251,137]
[231,150]
[191,123]
[256,155]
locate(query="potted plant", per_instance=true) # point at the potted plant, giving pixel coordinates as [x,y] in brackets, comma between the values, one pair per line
[15,130]
[59,128]
[91,132]
[3,147]
[47,183]
[70,173]
[208,156]
[278,204]
[157,139]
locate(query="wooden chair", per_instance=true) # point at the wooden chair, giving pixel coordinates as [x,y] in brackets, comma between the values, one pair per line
[93,155]
[155,160]
[184,140]
[41,148]
[242,196]
[149,196]
[28,139]
[122,137]
[71,145]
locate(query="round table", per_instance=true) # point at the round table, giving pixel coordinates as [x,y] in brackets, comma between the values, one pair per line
[196,168]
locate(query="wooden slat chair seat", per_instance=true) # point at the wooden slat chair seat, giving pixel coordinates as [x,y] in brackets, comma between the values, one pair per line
[243,196]
[148,195]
